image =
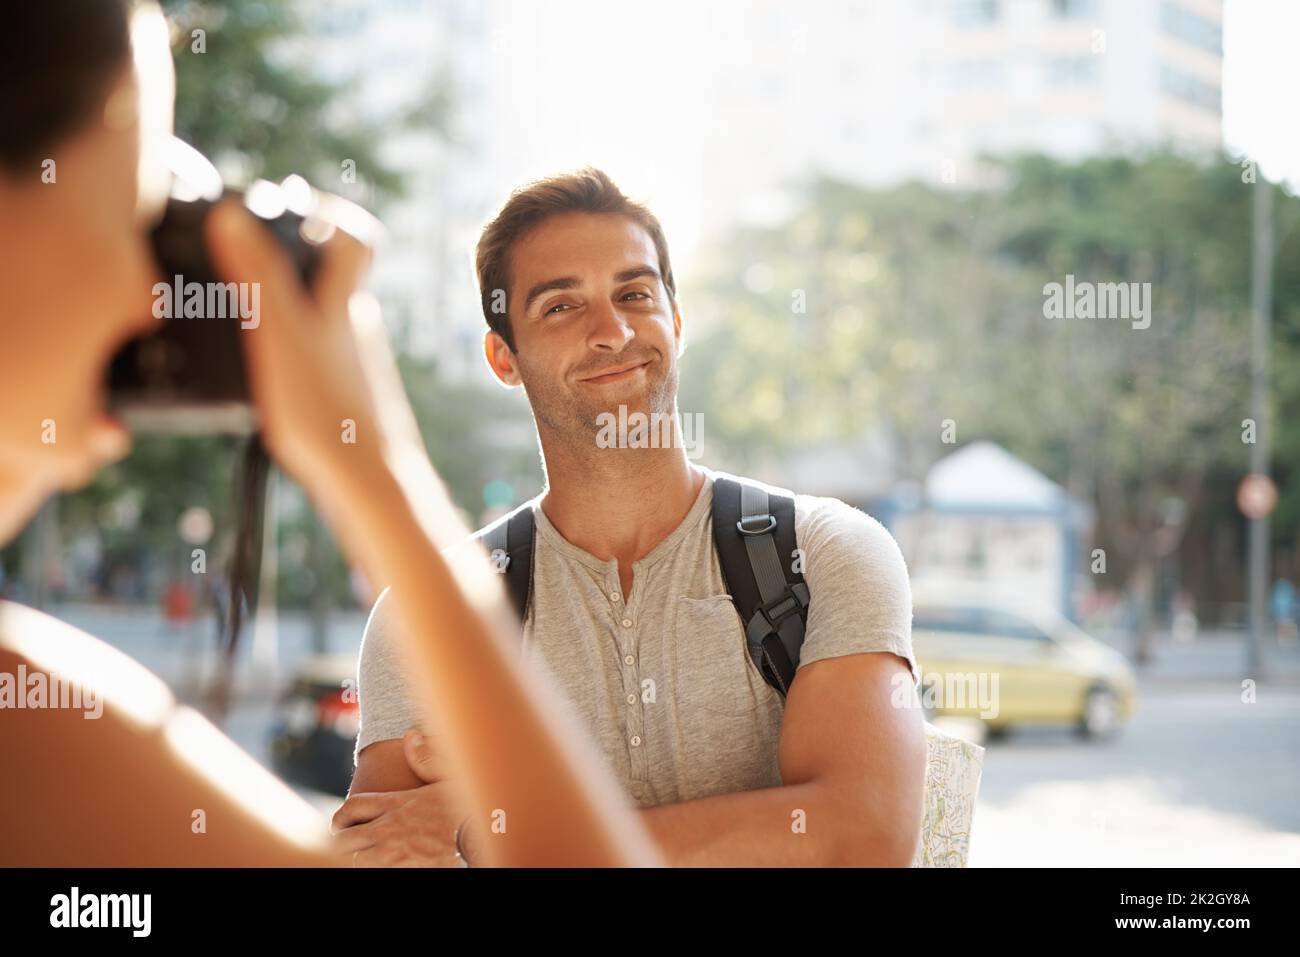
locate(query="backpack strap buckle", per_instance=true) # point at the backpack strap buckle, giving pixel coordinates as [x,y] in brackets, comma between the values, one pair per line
[768,618]
[749,524]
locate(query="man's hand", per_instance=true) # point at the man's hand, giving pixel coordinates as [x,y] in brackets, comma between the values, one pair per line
[412,828]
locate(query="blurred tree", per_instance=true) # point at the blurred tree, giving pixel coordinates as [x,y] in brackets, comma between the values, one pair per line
[477,434]
[1286,387]
[253,98]
[900,308]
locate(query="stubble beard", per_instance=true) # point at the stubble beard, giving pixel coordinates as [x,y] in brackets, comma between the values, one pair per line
[575,421]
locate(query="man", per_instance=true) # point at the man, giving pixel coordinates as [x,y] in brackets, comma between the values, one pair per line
[629,611]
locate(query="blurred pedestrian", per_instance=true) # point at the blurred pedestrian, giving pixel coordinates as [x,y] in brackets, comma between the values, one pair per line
[1284,611]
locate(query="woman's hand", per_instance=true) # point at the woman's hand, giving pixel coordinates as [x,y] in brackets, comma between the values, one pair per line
[320,370]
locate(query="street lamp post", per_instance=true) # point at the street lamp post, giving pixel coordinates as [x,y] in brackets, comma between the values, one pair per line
[1261,294]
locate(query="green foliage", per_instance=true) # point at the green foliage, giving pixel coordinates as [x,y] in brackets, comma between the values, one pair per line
[253,95]
[926,304]
[476,433]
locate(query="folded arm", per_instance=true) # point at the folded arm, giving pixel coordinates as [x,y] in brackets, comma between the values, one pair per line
[852,756]
[853,765]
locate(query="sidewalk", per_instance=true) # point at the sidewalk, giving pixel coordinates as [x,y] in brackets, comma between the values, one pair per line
[1216,656]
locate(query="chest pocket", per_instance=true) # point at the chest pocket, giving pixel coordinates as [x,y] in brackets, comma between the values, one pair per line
[711,668]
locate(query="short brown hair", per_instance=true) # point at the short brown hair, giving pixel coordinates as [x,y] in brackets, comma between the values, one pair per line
[587,190]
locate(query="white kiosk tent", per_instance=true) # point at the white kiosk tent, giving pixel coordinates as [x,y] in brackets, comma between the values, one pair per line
[985,517]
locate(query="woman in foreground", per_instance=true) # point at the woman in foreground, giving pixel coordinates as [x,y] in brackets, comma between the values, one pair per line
[149,782]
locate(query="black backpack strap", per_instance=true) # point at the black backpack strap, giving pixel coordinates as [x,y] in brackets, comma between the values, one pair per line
[754,534]
[509,544]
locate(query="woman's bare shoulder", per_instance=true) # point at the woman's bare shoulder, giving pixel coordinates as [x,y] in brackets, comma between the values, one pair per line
[43,645]
[110,770]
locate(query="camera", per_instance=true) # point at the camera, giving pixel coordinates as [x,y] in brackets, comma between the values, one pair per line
[188,376]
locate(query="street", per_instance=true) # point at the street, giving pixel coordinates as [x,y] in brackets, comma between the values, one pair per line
[1198,778]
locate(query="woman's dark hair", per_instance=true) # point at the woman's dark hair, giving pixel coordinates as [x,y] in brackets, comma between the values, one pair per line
[57,61]
[252,471]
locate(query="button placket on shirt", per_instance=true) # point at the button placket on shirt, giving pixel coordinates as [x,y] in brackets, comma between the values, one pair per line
[624,616]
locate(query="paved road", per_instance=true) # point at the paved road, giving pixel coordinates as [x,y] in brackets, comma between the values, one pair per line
[1198,779]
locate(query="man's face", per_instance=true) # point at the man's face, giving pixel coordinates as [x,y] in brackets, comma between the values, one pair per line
[593,323]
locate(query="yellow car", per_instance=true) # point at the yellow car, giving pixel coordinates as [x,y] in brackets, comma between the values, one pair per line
[985,656]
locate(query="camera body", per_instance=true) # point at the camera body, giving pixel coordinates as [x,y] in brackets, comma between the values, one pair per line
[189,376]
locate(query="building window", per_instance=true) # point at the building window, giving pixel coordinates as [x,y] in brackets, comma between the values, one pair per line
[1190,28]
[1070,70]
[976,75]
[973,13]
[1073,9]
[1190,88]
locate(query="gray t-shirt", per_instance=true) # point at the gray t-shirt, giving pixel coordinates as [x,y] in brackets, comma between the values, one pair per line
[661,677]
